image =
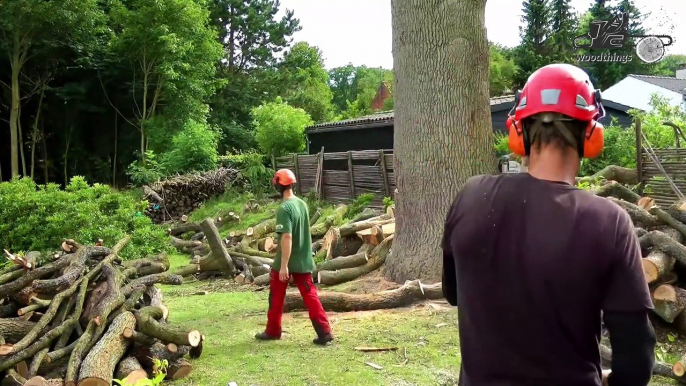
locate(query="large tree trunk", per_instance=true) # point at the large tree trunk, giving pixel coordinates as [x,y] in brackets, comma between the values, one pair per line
[443,132]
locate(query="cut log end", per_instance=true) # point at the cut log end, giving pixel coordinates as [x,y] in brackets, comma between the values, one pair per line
[6,350]
[128,333]
[194,338]
[249,232]
[679,369]
[646,203]
[94,382]
[665,292]
[650,270]
[135,376]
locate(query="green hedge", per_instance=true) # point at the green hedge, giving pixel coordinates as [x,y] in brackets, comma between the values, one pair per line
[39,217]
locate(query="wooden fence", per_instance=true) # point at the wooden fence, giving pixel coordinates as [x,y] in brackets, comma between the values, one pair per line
[341,177]
[671,160]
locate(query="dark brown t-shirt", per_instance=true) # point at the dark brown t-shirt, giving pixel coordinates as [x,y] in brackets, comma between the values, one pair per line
[536,261]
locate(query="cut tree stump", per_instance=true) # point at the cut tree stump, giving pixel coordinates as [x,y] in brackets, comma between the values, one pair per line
[669,301]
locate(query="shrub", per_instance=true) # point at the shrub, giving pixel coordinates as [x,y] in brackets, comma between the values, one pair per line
[39,217]
[254,175]
[358,204]
[280,128]
[194,149]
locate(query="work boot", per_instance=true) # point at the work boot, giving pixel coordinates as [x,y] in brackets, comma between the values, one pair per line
[323,340]
[264,336]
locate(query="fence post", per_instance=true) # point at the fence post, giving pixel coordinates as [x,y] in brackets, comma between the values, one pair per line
[321,176]
[297,173]
[382,158]
[639,155]
[351,175]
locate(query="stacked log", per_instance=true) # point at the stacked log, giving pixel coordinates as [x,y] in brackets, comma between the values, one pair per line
[178,196]
[86,317]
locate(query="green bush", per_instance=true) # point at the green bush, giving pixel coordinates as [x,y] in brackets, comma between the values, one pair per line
[280,127]
[39,217]
[254,175]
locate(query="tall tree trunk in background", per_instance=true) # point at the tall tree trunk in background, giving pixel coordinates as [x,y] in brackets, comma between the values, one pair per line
[14,109]
[116,141]
[34,135]
[443,132]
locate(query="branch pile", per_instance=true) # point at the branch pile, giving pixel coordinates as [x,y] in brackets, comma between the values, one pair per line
[178,196]
[85,317]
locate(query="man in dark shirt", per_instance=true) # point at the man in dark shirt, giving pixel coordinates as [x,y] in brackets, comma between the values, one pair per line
[532,262]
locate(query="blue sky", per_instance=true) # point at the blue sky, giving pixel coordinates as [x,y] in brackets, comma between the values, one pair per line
[359,31]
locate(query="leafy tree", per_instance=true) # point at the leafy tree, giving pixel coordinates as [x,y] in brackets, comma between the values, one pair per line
[669,64]
[280,127]
[502,71]
[532,53]
[173,50]
[341,81]
[29,28]
[305,82]
[252,36]
[564,30]
[193,149]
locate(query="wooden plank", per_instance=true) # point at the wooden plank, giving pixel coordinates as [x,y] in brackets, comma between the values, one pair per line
[639,158]
[382,158]
[362,155]
[296,172]
[337,194]
[336,178]
[389,161]
[351,174]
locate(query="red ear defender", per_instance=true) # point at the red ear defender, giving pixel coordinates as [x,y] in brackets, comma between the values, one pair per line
[593,139]
[516,138]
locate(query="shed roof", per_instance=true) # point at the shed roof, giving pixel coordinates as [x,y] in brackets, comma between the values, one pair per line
[667,82]
[385,118]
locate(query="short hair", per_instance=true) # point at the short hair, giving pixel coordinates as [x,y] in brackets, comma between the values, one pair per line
[560,133]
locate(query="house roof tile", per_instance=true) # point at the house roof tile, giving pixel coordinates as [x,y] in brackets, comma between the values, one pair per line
[667,82]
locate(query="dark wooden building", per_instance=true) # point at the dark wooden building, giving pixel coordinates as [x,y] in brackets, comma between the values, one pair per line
[373,132]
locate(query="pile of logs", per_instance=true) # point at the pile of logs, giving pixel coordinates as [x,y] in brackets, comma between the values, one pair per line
[344,252]
[178,196]
[85,317]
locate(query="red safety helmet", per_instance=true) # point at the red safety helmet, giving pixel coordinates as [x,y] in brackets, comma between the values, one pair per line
[283,177]
[564,89]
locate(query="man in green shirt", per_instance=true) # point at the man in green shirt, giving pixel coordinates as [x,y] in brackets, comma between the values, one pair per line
[293,260]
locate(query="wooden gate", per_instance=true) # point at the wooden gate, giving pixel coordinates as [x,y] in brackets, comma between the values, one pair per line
[657,166]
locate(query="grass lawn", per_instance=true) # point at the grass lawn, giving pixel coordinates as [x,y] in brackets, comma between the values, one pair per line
[426,337]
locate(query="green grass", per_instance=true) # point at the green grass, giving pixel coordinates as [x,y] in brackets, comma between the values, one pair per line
[425,336]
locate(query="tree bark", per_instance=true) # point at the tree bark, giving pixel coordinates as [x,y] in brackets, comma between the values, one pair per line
[669,302]
[99,365]
[444,96]
[130,370]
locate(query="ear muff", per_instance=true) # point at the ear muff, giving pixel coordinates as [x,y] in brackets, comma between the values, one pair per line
[516,137]
[593,139]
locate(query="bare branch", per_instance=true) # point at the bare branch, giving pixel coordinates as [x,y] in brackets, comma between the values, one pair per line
[111,104]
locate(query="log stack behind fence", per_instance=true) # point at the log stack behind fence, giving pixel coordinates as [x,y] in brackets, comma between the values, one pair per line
[341,177]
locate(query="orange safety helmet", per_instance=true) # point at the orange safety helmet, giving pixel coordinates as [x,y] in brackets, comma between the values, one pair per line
[564,89]
[283,177]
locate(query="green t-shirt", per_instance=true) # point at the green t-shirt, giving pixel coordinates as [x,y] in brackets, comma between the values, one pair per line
[294,218]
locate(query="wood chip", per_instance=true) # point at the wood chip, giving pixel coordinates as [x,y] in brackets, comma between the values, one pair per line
[374,365]
[439,325]
[201,293]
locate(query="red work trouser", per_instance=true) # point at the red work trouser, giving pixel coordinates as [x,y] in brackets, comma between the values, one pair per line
[277,295]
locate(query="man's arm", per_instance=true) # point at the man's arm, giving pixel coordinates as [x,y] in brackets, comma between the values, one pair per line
[286,245]
[625,311]
[284,226]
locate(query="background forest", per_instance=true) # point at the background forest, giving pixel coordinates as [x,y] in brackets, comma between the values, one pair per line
[128,91]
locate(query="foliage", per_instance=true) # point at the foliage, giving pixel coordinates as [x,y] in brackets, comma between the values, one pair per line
[193,149]
[160,371]
[354,88]
[280,127]
[39,217]
[254,175]
[312,201]
[148,172]
[357,205]
[387,201]
[502,71]
[305,82]
[502,144]
[620,143]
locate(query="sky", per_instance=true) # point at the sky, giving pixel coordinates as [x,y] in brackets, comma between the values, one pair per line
[359,31]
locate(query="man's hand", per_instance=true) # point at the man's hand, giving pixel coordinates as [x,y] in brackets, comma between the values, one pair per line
[283,274]
[606,373]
